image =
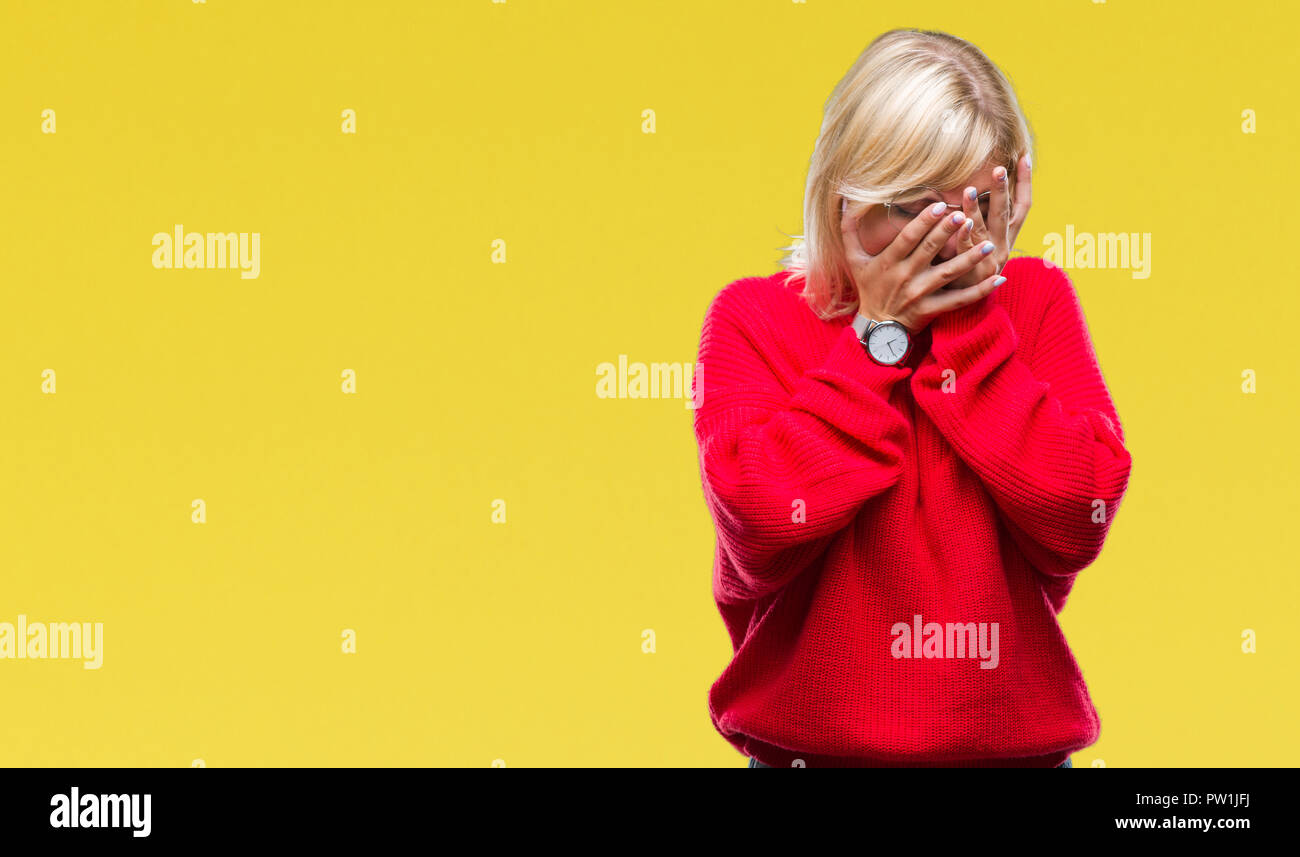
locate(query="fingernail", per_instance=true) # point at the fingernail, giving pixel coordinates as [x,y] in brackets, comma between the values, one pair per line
[986,248]
[958,217]
[999,281]
[939,208]
[1029,162]
[1000,174]
[970,193]
[970,224]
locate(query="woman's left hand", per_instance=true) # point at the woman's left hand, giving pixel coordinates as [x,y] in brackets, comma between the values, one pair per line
[1005,220]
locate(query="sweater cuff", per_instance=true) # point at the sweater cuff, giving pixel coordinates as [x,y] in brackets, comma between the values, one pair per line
[970,331]
[852,390]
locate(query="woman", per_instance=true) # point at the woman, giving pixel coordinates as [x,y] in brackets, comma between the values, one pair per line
[906,444]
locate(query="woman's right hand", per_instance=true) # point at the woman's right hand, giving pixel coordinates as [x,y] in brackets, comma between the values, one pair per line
[900,284]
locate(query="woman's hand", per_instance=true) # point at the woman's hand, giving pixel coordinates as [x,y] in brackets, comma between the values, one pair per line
[1003,225]
[900,284]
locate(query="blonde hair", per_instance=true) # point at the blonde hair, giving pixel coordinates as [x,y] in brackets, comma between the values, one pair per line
[918,107]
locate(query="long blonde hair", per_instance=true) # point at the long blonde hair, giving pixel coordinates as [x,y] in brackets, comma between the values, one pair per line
[918,107]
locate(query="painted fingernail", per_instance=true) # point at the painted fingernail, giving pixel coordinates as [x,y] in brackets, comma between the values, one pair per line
[999,281]
[1000,174]
[970,224]
[986,248]
[958,217]
[970,193]
[939,208]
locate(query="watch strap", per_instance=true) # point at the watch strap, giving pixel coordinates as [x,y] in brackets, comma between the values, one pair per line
[861,326]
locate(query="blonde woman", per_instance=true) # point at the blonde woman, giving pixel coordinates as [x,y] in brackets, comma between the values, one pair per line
[906,444]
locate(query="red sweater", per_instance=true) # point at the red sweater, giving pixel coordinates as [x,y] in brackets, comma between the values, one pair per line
[894,542]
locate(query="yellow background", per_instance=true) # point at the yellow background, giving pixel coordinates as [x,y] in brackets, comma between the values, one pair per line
[522,121]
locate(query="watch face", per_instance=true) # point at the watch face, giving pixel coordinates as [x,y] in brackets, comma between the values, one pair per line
[887,342]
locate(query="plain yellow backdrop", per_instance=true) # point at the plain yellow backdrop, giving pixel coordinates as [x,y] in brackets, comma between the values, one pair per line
[476,381]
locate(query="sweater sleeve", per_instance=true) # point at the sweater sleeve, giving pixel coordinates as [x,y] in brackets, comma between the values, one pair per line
[1043,436]
[788,459]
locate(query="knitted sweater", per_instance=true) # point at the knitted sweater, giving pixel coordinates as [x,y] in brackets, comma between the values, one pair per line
[894,543]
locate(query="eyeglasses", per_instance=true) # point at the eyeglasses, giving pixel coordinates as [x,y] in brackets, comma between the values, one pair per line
[908,203]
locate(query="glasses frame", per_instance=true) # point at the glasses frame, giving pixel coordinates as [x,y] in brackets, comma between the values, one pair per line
[894,204]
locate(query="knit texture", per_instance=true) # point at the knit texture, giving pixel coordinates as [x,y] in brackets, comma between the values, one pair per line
[967,487]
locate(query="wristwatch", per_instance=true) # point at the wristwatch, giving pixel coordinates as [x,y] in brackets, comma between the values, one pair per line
[886,342]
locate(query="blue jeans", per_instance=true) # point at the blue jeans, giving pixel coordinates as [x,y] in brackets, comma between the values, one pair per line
[755,763]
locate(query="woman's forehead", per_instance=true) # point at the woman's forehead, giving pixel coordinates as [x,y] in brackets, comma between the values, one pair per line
[982,180]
